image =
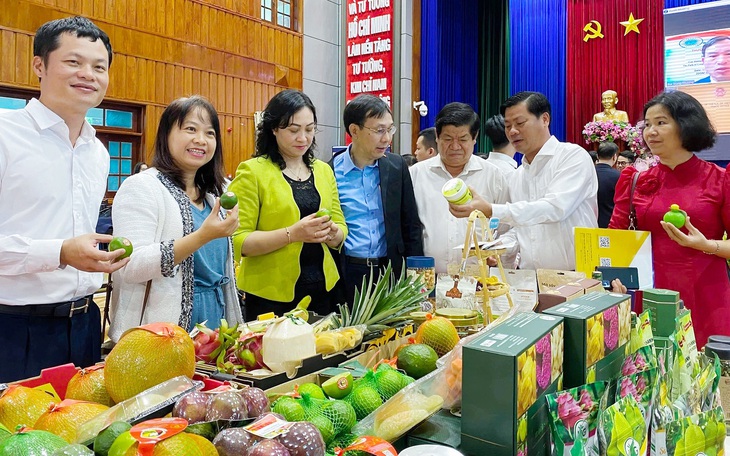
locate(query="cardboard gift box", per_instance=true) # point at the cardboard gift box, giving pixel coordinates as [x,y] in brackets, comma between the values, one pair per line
[664,306]
[507,372]
[597,327]
[552,298]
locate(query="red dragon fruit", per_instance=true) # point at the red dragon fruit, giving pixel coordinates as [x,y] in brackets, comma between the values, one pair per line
[249,353]
[206,343]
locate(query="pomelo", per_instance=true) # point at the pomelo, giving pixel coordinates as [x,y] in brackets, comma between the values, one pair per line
[417,360]
[438,333]
[20,405]
[147,356]
[63,419]
[88,385]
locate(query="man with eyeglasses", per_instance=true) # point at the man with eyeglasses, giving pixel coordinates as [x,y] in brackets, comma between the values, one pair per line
[625,158]
[376,196]
[457,129]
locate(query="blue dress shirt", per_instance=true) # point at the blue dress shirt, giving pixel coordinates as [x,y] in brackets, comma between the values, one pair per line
[362,204]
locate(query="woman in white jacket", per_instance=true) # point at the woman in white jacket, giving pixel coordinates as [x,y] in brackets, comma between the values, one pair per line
[181,238]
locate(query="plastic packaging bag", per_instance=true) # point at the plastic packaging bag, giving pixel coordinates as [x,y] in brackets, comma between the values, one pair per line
[574,419]
[337,340]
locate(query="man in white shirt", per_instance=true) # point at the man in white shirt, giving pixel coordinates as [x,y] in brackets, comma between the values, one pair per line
[552,192]
[426,144]
[457,128]
[50,263]
[503,152]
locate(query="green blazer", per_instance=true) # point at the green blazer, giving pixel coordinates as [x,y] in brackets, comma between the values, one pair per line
[266,203]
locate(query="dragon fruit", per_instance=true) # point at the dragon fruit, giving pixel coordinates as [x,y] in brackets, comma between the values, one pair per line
[248,352]
[569,411]
[206,343]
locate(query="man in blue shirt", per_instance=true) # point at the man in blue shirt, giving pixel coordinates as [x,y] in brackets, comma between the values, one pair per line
[376,195]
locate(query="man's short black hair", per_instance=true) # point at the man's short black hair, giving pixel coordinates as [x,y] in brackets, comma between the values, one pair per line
[536,102]
[494,129]
[606,150]
[458,115]
[363,107]
[713,41]
[695,129]
[46,37]
[429,138]
[630,156]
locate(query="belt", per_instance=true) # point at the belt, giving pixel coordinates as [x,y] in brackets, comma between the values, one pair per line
[369,262]
[60,309]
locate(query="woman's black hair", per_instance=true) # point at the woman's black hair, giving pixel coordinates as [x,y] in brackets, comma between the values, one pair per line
[278,114]
[695,129]
[209,178]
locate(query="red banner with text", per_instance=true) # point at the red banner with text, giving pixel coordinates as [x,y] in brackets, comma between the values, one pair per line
[369,49]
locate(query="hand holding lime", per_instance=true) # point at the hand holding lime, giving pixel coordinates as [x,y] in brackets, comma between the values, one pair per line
[324,213]
[675,216]
[121,243]
[228,200]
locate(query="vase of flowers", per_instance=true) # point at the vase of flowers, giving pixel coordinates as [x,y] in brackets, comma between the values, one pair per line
[601,131]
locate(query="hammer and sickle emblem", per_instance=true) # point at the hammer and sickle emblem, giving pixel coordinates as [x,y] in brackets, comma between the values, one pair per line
[594,27]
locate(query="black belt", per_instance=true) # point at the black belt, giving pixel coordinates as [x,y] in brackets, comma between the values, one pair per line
[369,262]
[60,309]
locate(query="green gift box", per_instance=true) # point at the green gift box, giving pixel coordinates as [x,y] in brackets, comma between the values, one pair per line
[664,306]
[507,372]
[597,327]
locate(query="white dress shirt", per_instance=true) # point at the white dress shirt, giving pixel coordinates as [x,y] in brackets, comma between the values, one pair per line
[441,230]
[551,196]
[50,190]
[504,162]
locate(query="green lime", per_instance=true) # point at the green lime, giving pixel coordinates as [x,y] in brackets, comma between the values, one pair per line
[289,408]
[325,426]
[228,200]
[417,360]
[122,444]
[338,386]
[314,391]
[121,243]
[104,441]
[675,216]
[364,399]
[324,213]
[342,415]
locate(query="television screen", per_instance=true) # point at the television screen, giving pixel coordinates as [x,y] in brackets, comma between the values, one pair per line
[697,61]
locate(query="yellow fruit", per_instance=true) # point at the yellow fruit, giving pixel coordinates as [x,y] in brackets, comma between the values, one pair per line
[63,419]
[400,423]
[88,385]
[144,358]
[207,448]
[183,444]
[438,333]
[20,405]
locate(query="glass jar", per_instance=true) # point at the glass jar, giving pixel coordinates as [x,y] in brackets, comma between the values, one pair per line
[426,268]
[722,350]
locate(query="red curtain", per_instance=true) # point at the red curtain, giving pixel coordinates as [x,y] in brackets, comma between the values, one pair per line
[632,65]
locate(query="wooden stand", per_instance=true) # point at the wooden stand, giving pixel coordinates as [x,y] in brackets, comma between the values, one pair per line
[491,286]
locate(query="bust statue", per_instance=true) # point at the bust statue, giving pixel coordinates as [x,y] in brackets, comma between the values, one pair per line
[609,98]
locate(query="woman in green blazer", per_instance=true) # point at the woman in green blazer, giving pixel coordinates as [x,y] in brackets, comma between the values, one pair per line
[283,247]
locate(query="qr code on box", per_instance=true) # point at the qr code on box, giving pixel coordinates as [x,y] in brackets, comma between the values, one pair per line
[604,242]
[604,262]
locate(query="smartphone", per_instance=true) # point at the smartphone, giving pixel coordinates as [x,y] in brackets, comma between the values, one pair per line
[628,276]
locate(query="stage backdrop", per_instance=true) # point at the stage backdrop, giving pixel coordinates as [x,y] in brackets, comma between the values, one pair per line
[603,55]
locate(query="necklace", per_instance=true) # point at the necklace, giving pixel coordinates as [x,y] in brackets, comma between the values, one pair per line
[296,174]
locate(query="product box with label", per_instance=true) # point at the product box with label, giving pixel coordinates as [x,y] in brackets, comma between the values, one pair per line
[507,372]
[597,326]
[664,306]
[555,296]
[588,285]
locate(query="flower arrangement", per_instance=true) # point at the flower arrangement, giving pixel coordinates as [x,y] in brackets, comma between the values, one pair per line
[636,139]
[606,131]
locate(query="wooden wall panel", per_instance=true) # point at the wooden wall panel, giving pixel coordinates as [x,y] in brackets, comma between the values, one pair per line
[165,49]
